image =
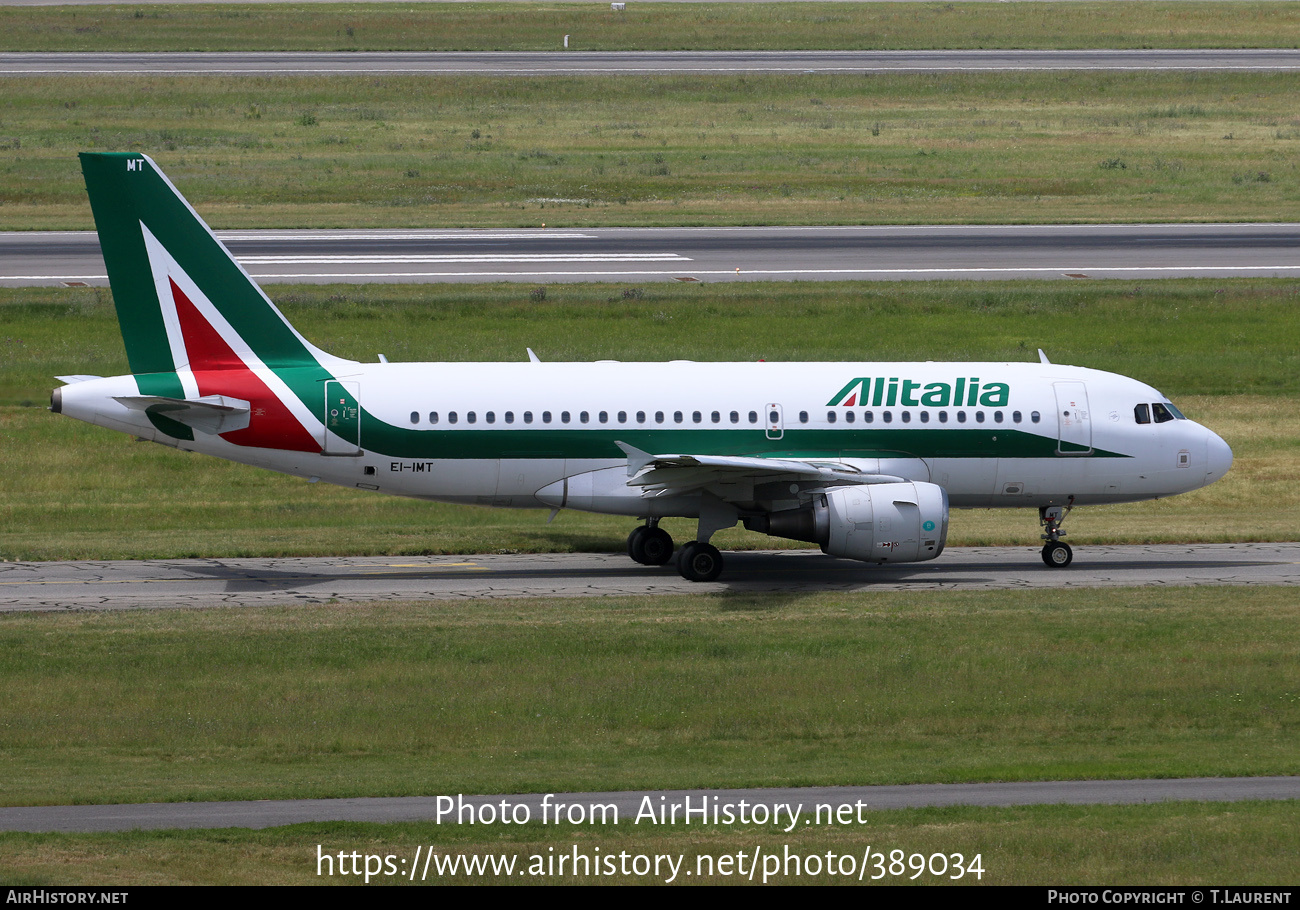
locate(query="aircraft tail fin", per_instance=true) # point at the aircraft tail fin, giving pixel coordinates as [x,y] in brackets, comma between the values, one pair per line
[183,302]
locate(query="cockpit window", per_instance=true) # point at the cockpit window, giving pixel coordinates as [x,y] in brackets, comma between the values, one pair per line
[1142,414]
[1173,410]
[1161,413]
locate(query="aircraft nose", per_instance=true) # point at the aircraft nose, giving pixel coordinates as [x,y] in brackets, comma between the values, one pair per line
[1218,457]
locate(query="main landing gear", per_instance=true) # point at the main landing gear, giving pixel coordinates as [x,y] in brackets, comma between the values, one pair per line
[699,561]
[650,545]
[1056,555]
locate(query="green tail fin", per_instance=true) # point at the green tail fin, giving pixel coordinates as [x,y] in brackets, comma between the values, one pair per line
[161,256]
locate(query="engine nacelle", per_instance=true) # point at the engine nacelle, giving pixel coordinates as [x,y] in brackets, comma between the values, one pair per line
[883,522]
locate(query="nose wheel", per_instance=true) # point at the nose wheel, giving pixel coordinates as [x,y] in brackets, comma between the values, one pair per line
[1056,555]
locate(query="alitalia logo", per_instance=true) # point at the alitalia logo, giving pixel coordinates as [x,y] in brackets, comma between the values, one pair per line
[878,392]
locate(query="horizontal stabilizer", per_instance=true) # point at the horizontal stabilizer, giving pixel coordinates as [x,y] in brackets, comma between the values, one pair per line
[210,414]
[79,377]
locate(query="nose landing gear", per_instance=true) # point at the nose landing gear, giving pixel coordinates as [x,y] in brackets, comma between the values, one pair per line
[1056,555]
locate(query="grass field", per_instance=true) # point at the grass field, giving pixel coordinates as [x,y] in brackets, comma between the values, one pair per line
[647,26]
[461,151]
[1184,843]
[549,695]
[1226,351]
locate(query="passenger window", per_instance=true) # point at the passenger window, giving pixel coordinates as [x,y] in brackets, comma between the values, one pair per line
[735,417]
[697,417]
[803,416]
[717,418]
[1035,417]
[451,417]
[979,416]
[848,417]
[471,417]
[868,417]
[659,416]
[622,416]
[584,417]
[433,417]
[528,416]
[997,416]
[830,416]
[1015,416]
[1161,413]
[753,416]
[907,417]
[603,416]
[510,417]
[640,416]
[925,417]
[1142,414]
[564,417]
[943,416]
[490,417]
[888,416]
[546,416]
[961,416]
[415,417]
[677,416]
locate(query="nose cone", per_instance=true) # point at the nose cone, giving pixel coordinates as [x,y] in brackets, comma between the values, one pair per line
[1218,458]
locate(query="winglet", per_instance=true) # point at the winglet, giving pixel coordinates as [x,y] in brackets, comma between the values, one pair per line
[636,458]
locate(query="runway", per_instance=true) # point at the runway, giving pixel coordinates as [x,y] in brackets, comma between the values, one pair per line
[593,63]
[625,805]
[163,584]
[886,253]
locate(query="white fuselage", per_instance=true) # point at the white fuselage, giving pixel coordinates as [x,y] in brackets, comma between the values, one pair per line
[542,434]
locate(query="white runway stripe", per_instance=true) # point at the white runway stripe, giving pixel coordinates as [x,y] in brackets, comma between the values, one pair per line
[466,257]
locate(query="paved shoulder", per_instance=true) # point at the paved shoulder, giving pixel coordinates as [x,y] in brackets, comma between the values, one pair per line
[254,582]
[791,806]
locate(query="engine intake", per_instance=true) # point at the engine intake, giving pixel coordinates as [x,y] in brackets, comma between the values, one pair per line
[885,522]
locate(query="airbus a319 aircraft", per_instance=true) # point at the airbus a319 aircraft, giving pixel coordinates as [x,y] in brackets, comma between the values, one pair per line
[865,459]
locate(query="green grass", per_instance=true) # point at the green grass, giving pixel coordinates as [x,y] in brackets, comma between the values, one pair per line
[471,151]
[1225,350]
[618,693]
[1183,843]
[647,26]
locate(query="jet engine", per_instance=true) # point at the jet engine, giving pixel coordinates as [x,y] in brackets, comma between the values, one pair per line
[884,522]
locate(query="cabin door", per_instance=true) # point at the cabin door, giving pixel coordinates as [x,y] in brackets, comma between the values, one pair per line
[1073,422]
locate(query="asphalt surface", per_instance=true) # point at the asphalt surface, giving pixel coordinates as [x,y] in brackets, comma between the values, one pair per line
[585,63]
[707,254]
[162,584]
[448,809]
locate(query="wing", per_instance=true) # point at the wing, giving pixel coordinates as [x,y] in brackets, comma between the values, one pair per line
[659,475]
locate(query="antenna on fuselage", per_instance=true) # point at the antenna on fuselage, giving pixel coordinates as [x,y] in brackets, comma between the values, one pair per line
[533,358]
[1042,358]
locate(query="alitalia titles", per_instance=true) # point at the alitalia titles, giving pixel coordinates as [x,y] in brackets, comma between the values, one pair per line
[877,392]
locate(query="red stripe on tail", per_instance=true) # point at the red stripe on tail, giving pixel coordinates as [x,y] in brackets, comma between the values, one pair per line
[218,370]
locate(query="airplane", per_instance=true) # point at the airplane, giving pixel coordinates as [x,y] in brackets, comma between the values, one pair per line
[864,459]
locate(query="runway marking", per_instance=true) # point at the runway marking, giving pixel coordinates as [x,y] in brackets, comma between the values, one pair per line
[466,257]
[731,273]
[724,273]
